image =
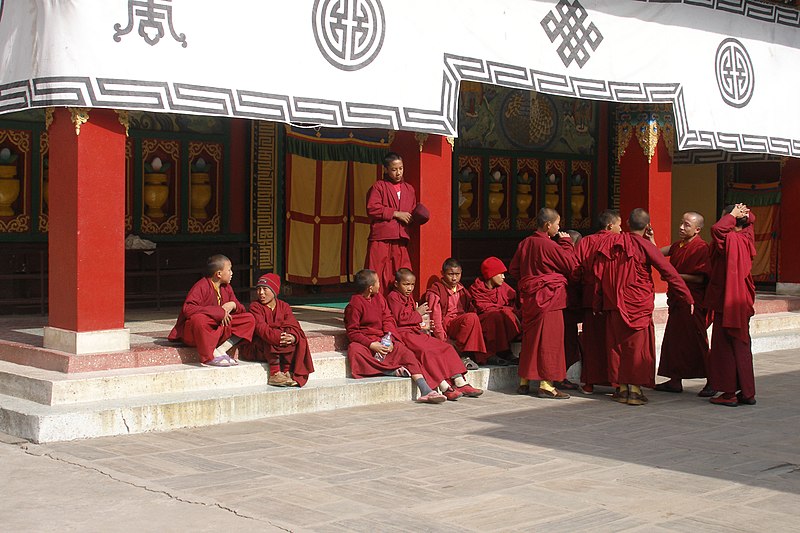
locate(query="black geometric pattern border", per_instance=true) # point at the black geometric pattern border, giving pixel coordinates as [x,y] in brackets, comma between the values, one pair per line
[699,157]
[195,99]
[774,13]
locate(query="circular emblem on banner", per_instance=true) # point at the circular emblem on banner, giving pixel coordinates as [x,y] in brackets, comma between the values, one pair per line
[349,33]
[735,77]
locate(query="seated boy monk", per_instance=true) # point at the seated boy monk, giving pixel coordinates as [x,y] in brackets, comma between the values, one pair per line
[367,319]
[279,340]
[495,302]
[440,361]
[453,314]
[212,319]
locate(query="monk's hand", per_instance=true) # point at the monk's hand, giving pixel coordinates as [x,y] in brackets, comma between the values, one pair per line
[739,211]
[287,339]
[423,309]
[563,234]
[377,347]
[226,319]
[403,216]
[229,307]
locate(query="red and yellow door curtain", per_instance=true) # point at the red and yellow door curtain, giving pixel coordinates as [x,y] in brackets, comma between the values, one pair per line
[764,199]
[327,179]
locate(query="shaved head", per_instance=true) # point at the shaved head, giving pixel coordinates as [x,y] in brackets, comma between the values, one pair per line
[546,215]
[638,219]
[608,217]
[699,221]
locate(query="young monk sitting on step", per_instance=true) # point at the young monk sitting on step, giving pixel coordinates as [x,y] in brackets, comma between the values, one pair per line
[454,317]
[439,360]
[372,331]
[279,340]
[212,319]
[495,302]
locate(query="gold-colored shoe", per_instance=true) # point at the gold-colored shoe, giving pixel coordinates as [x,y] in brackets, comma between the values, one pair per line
[620,396]
[290,382]
[279,379]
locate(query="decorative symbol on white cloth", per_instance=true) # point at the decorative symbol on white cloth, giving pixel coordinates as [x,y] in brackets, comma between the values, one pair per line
[735,76]
[349,33]
[150,13]
[568,21]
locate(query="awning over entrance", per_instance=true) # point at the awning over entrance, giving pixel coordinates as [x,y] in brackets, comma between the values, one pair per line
[398,64]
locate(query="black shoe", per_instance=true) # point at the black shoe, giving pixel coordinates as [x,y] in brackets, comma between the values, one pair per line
[746,401]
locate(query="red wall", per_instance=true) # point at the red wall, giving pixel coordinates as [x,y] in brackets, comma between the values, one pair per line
[239,199]
[789,251]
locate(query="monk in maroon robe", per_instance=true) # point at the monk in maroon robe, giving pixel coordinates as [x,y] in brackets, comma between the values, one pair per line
[453,315]
[684,351]
[368,322]
[212,319]
[542,267]
[495,302]
[279,340]
[731,295]
[623,267]
[439,360]
[594,362]
[390,203]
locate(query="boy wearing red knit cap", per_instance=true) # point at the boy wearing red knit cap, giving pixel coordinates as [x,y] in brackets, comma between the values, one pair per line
[279,340]
[495,302]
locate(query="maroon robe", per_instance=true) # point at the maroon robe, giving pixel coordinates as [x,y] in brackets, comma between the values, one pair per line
[465,328]
[266,343]
[366,321]
[594,361]
[496,308]
[199,322]
[684,351]
[731,295]
[387,247]
[542,266]
[623,267]
[439,360]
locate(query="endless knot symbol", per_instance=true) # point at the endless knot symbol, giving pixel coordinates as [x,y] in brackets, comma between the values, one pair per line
[735,76]
[575,35]
[349,33]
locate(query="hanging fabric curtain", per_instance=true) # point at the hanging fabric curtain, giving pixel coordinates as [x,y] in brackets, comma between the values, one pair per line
[327,178]
[764,200]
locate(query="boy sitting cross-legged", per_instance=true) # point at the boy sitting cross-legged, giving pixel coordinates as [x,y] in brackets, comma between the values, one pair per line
[439,360]
[495,302]
[212,319]
[368,321]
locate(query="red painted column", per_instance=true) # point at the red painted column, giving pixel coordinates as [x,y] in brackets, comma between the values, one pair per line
[648,185]
[87,234]
[430,172]
[788,251]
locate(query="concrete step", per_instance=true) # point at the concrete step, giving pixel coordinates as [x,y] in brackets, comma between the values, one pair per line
[167,411]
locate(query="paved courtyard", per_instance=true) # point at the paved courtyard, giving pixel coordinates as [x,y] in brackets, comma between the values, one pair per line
[498,463]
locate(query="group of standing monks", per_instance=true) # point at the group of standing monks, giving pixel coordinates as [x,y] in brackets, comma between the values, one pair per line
[611,274]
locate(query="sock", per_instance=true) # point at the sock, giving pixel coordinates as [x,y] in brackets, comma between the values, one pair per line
[635,389]
[623,387]
[444,385]
[459,380]
[546,385]
[523,381]
[424,389]
[228,344]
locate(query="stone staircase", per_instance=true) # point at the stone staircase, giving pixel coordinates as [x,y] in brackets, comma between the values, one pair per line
[46,405]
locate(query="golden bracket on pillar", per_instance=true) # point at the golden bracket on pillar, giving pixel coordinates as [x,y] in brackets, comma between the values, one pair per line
[651,124]
[48,117]
[124,119]
[421,138]
[80,116]
[451,141]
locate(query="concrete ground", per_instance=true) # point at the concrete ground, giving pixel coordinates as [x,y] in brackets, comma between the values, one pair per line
[498,463]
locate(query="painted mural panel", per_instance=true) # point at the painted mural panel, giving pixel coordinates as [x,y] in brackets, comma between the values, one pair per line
[500,118]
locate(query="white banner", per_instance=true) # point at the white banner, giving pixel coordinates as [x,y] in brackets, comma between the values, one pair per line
[725,65]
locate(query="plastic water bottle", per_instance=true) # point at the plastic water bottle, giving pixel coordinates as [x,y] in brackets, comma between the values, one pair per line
[386,341]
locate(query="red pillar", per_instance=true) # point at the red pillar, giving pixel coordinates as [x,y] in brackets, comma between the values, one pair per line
[429,170]
[648,184]
[788,251]
[86,242]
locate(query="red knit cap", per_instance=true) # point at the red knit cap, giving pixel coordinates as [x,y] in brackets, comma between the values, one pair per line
[273,281]
[491,267]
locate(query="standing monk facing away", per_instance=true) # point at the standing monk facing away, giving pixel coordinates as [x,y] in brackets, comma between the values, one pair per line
[212,319]
[390,204]
[623,266]
[541,267]
[731,294]
[594,365]
[684,351]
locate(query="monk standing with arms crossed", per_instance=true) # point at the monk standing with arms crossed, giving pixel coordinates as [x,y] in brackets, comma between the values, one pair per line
[731,294]
[684,351]
[541,267]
